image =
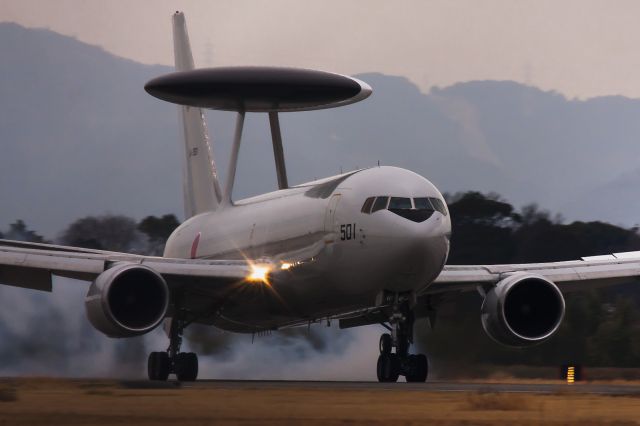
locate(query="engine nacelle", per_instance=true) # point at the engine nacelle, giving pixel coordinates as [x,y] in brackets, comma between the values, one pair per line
[127,300]
[522,310]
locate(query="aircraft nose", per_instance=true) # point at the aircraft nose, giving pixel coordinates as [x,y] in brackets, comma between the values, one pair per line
[422,244]
[417,251]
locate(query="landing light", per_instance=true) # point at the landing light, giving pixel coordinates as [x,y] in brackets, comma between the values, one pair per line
[288,265]
[259,273]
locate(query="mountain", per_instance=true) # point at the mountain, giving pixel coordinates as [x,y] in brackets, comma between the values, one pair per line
[79,136]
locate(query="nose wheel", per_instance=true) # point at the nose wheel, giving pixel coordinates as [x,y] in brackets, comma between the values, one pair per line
[391,365]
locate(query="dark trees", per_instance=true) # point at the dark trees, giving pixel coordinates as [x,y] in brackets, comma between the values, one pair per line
[487,230]
[600,328]
[108,232]
[20,232]
[158,230]
[121,233]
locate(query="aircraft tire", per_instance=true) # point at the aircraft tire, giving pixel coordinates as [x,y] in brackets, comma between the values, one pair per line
[385,343]
[418,368]
[388,368]
[186,366]
[158,366]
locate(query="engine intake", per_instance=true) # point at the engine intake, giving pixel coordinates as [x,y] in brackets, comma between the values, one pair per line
[127,300]
[522,310]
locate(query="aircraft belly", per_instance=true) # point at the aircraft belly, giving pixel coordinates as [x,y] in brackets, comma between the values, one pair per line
[343,276]
[307,292]
[340,279]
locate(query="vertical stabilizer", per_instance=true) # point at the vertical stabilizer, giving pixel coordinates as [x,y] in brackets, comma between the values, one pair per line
[200,179]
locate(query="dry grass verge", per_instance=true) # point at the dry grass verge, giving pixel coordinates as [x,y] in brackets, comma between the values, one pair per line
[8,395]
[482,401]
[97,403]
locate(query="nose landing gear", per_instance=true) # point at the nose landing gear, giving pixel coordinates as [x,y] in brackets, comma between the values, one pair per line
[391,365]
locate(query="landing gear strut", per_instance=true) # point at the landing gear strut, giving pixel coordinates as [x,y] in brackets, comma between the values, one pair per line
[391,365]
[183,364]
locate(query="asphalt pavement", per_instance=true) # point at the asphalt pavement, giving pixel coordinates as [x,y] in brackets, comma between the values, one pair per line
[431,386]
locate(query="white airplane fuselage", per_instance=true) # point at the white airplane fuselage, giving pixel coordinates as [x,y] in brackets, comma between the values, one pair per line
[327,256]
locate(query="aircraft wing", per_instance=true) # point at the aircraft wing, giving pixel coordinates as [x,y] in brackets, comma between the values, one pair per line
[584,274]
[31,265]
[589,272]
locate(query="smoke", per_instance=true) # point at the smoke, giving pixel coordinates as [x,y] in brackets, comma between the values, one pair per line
[317,353]
[48,334]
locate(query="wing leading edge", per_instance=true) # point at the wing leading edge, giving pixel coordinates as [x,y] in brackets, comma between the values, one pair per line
[589,272]
[31,265]
[570,276]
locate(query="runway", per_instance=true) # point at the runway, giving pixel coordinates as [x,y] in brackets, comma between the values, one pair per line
[48,401]
[431,386]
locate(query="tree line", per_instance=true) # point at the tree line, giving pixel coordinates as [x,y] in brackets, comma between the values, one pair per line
[489,230]
[600,328]
[106,232]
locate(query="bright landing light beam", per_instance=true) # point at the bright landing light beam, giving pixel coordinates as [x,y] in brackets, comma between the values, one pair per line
[259,273]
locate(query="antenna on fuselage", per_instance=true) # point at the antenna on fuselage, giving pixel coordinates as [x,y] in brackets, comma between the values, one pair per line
[269,90]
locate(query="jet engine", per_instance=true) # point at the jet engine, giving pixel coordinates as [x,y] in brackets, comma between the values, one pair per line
[522,310]
[127,300]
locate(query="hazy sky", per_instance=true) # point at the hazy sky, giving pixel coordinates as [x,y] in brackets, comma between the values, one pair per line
[580,48]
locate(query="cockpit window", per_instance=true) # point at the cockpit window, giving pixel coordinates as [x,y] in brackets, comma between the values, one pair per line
[417,210]
[380,204]
[439,205]
[400,203]
[423,203]
[366,207]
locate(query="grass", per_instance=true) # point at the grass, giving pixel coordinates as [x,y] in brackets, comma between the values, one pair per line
[481,401]
[8,395]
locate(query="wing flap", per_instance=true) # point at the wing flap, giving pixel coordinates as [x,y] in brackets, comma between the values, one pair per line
[32,268]
[35,279]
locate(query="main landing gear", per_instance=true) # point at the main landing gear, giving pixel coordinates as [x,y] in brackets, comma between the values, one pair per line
[183,364]
[391,365]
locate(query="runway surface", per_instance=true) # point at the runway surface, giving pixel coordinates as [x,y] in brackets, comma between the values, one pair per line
[432,386]
[52,402]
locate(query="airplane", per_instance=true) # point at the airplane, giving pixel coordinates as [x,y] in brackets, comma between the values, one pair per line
[364,247]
